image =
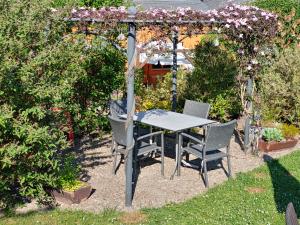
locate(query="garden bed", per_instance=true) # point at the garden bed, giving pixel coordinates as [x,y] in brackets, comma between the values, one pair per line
[73,197]
[266,146]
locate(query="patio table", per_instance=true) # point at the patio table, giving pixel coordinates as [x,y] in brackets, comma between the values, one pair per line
[172,121]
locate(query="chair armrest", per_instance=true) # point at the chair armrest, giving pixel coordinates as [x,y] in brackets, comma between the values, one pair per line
[149,135]
[191,138]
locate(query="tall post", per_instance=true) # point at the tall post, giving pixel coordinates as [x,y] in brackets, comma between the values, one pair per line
[130,106]
[249,108]
[174,70]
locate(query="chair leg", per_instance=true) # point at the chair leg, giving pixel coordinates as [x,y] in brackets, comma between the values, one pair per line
[205,174]
[112,145]
[187,157]
[135,162]
[162,156]
[115,154]
[229,166]
[162,162]
[179,156]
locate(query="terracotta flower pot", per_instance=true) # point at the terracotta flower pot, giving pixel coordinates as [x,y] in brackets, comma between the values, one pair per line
[274,145]
[73,197]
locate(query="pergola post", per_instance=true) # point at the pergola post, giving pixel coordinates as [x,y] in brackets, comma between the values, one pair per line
[130,106]
[249,108]
[174,70]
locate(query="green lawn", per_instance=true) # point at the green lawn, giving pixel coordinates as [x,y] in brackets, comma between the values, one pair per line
[258,197]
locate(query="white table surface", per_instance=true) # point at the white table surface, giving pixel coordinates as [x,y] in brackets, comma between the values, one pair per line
[169,120]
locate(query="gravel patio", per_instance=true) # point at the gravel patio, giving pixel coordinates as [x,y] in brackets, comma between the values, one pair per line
[151,190]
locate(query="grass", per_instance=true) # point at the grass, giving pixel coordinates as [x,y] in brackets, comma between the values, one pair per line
[257,197]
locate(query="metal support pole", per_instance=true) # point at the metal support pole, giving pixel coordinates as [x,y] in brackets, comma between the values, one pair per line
[249,108]
[130,107]
[174,70]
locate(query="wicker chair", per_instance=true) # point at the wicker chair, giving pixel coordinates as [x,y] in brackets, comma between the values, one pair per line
[143,144]
[217,137]
[290,215]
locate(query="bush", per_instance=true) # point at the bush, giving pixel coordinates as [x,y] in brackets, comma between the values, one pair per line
[279,88]
[283,7]
[289,131]
[87,3]
[160,95]
[214,80]
[42,67]
[272,134]
[289,15]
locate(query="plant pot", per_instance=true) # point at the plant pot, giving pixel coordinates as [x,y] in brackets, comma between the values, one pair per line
[73,197]
[274,145]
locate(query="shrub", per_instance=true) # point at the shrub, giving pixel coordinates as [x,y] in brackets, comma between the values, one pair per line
[160,96]
[214,80]
[283,7]
[88,3]
[279,88]
[272,134]
[42,67]
[289,131]
[289,15]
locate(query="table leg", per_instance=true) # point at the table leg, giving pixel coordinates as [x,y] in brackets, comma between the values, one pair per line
[176,158]
[151,140]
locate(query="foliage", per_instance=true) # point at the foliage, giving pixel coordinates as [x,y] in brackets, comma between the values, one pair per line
[279,88]
[159,96]
[277,183]
[289,131]
[29,157]
[104,72]
[42,67]
[69,174]
[289,11]
[214,80]
[87,3]
[283,7]
[101,3]
[272,134]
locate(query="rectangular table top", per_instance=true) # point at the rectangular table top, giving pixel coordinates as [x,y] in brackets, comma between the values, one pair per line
[169,120]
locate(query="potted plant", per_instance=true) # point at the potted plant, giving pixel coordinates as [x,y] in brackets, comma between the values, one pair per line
[278,138]
[72,190]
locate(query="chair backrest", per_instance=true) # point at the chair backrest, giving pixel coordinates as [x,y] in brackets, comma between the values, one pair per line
[118,127]
[218,136]
[198,109]
[290,215]
[118,107]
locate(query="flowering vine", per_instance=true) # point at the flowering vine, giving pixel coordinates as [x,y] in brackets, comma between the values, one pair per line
[248,26]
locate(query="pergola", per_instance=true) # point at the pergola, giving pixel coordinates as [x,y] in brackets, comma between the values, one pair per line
[241,23]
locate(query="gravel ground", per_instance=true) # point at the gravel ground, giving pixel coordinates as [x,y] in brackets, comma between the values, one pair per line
[151,189]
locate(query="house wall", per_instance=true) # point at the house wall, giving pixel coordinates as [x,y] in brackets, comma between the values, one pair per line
[151,75]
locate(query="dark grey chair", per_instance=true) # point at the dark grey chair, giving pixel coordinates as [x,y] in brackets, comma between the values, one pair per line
[143,144]
[290,215]
[198,109]
[217,137]
[118,107]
